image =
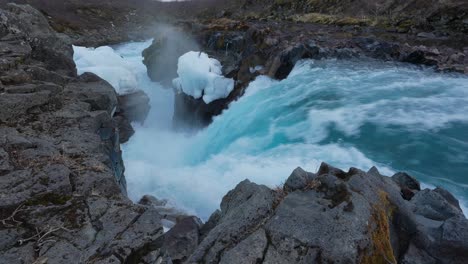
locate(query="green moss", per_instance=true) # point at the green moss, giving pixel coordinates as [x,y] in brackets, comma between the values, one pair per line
[48,199]
[405,25]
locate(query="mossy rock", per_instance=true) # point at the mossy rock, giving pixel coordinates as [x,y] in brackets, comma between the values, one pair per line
[405,25]
[381,246]
[48,199]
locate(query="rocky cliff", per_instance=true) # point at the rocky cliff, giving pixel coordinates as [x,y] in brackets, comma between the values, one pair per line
[62,183]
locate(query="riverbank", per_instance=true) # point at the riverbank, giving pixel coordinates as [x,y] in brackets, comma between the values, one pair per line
[273,47]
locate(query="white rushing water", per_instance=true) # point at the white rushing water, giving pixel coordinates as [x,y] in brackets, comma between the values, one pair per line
[347,113]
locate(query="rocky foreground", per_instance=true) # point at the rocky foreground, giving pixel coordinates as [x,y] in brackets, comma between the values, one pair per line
[62,183]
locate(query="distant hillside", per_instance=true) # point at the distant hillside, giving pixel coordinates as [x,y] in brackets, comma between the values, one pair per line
[72,16]
[440,14]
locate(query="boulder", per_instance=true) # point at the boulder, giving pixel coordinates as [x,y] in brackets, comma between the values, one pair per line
[162,56]
[125,128]
[298,179]
[242,209]
[431,204]
[100,95]
[327,169]
[407,183]
[182,239]
[195,113]
[448,197]
[134,106]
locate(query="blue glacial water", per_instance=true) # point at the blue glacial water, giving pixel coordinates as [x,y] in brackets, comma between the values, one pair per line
[347,113]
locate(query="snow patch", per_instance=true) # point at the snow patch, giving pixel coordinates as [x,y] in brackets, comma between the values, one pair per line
[201,76]
[107,64]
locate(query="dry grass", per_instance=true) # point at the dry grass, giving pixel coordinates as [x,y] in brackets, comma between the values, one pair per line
[381,247]
[313,184]
[280,195]
[43,236]
[10,221]
[331,19]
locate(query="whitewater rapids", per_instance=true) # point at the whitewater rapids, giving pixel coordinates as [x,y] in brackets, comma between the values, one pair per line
[347,113]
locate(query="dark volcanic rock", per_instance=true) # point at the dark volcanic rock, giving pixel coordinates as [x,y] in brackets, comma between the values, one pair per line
[125,128]
[162,56]
[407,184]
[316,223]
[298,179]
[62,183]
[194,113]
[406,181]
[46,45]
[182,239]
[431,204]
[134,106]
[99,94]
[281,65]
[242,210]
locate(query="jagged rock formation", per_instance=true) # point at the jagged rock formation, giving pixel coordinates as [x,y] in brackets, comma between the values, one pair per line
[334,216]
[62,185]
[330,216]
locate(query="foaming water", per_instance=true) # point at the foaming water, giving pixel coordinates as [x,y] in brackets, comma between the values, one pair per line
[347,113]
